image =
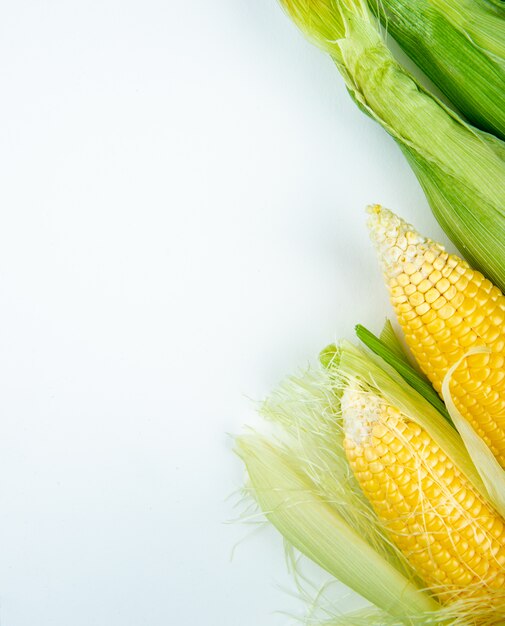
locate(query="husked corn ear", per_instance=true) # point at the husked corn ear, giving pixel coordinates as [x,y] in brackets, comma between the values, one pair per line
[452,538]
[445,308]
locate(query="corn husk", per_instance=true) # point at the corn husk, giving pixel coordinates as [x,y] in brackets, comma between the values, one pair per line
[314,527]
[461,169]
[460,45]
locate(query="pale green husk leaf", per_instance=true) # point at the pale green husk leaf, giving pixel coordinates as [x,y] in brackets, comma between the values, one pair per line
[492,474]
[390,339]
[311,525]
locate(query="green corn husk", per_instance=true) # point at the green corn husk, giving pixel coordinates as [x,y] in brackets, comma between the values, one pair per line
[460,45]
[461,169]
[299,476]
[416,380]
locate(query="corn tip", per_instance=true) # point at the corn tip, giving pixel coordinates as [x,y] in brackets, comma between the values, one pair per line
[397,242]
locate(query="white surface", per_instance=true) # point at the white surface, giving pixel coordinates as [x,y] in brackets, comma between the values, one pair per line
[182,193]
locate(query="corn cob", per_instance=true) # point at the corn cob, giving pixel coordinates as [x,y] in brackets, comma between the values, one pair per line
[445,308]
[450,535]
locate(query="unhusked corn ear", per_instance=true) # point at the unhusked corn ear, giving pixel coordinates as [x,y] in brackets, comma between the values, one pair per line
[445,308]
[452,538]
[461,169]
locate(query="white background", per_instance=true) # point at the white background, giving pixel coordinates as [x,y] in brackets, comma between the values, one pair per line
[182,225]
